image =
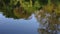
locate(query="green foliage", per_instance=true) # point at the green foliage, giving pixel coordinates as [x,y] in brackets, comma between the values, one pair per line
[30,6]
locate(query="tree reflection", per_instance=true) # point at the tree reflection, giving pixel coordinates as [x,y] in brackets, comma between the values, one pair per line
[13,9]
[16,13]
[49,18]
[50,22]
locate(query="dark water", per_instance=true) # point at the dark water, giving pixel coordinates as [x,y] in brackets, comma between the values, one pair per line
[18,26]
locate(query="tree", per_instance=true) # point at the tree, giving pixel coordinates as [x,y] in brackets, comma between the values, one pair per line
[49,15]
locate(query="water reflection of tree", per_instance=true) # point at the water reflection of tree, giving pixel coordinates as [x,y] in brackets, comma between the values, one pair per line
[49,17]
[16,13]
[50,22]
[13,9]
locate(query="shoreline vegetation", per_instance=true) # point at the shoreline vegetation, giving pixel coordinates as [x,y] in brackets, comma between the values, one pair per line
[24,8]
[31,5]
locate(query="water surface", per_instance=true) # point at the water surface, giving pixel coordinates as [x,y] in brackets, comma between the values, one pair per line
[18,26]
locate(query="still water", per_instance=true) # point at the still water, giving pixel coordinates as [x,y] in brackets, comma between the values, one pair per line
[27,26]
[18,26]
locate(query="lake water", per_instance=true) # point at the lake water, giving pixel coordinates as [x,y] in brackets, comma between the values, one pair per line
[28,26]
[18,26]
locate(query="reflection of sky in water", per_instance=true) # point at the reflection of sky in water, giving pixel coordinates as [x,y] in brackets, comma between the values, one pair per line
[20,26]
